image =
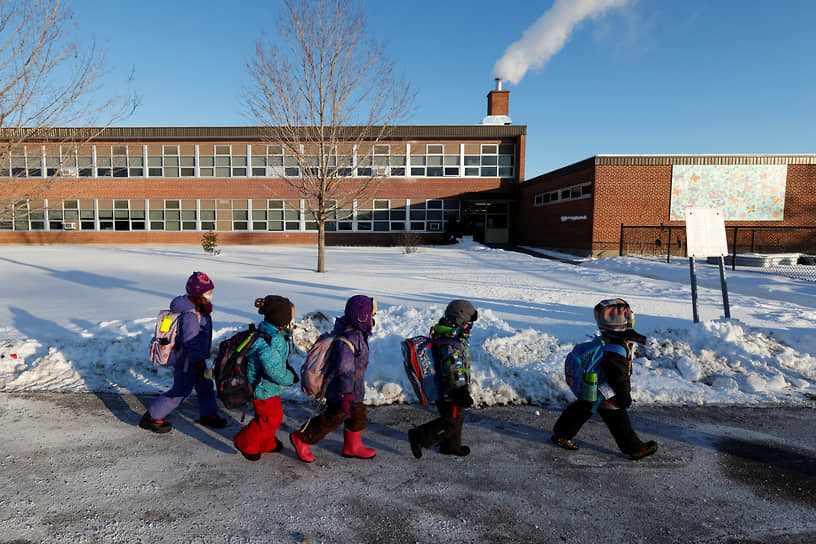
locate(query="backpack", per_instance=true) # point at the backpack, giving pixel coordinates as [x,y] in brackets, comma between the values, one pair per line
[421,366]
[586,357]
[230,368]
[163,344]
[314,374]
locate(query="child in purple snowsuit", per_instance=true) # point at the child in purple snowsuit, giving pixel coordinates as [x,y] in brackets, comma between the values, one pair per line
[346,391]
[193,342]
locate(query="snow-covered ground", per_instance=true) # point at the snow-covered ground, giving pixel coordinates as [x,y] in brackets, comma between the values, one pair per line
[78,318]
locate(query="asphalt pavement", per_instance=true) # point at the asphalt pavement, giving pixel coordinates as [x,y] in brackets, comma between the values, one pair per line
[75,467]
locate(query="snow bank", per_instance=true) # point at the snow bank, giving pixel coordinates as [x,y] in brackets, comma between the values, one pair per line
[89,330]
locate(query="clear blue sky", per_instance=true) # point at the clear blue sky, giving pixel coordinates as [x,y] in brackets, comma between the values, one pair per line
[653,77]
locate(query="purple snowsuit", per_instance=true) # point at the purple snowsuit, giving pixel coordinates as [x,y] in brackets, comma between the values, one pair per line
[194,341]
[350,366]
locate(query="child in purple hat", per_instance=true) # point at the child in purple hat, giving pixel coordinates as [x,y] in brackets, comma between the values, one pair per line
[191,372]
[346,391]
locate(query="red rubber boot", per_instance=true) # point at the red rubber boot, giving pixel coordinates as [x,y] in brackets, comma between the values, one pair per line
[301,448]
[353,446]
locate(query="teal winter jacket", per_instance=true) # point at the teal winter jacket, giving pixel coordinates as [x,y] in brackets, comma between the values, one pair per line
[266,363]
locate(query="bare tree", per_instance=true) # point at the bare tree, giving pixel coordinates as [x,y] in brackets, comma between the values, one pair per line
[327,94]
[47,80]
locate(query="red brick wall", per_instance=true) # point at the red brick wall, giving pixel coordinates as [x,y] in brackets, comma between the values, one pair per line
[800,196]
[541,226]
[636,195]
[632,195]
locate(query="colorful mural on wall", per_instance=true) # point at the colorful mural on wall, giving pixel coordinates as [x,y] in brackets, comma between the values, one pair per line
[744,192]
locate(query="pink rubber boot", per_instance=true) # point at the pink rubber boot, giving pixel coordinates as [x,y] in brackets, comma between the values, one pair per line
[353,446]
[301,447]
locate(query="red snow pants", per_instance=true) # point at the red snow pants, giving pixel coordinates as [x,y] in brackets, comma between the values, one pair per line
[259,434]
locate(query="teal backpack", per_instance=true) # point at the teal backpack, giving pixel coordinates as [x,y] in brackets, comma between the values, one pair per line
[585,358]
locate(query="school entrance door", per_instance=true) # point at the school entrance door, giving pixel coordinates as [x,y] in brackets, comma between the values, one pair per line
[491,223]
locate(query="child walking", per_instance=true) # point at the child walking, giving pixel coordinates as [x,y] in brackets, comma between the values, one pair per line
[268,369]
[195,334]
[616,322]
[346,391]
[454,366]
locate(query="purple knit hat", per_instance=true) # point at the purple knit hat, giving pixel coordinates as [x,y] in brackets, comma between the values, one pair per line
[198,284]
[359,312]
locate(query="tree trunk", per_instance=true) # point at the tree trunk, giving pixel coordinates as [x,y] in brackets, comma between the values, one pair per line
[321,245]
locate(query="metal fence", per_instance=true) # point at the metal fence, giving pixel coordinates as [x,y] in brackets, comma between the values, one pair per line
[789,251]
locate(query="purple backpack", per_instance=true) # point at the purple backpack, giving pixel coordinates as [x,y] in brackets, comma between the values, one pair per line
[315,371]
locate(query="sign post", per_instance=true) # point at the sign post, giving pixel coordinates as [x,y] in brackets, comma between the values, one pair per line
[705,237]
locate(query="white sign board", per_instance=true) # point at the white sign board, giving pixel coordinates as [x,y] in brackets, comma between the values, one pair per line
[705,233]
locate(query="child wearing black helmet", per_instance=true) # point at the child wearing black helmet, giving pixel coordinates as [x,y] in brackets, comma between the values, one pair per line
[616,322]
[454,367]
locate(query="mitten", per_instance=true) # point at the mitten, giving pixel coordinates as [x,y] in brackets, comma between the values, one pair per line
[461,397]
[200,368]
[345,403]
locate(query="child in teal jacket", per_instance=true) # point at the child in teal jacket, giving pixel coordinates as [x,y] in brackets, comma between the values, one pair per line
[268,370]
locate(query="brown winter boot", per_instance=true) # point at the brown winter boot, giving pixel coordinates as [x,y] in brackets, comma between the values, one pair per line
[645,450]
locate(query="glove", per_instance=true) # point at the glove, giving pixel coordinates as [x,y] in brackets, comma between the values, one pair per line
[292,370]
[201,370]
[461,397]
[623,401]
[345,403]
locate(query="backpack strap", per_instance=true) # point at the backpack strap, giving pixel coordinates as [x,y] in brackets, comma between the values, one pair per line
[615,348]
[347,342]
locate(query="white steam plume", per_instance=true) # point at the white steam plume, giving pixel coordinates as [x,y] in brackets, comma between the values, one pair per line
[547,36]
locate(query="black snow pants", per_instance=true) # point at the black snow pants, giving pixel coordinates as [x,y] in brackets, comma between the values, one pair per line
[617,421]
[446,430]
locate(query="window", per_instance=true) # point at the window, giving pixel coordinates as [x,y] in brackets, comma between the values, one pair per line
[238,161]
[165,215]
[571,193]
[26,161]
[25,215]
[222,161]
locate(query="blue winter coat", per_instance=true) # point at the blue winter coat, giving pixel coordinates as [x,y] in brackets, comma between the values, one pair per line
[194,338]
[266,363]
[350,366]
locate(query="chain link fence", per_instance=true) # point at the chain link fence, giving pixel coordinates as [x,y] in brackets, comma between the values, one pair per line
[788,251]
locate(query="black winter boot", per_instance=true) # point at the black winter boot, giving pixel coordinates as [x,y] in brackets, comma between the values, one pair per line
[213,421]
[159,426]
[416,445]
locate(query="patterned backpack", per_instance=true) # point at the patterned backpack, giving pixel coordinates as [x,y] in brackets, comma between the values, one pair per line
[421,367]
[162,346]
[230,368]
[314,374]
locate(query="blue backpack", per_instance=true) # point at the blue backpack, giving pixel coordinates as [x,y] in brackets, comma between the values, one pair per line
[421,367]
[586,357]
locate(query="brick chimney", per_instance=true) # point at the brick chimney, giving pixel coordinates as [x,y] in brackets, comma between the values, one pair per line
[498,101]
[498,106]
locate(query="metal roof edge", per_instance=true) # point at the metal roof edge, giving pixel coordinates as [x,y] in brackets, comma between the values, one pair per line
[251,132]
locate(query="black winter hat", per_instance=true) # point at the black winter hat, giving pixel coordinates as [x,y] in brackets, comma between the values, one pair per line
[460,312]
[275,309]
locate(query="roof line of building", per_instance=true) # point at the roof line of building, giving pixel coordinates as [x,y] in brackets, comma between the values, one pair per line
[647,160]
[254,133]
[668,160]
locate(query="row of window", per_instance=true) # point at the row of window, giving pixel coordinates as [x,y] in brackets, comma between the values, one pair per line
[223,161]
[569,193]
[277,215]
